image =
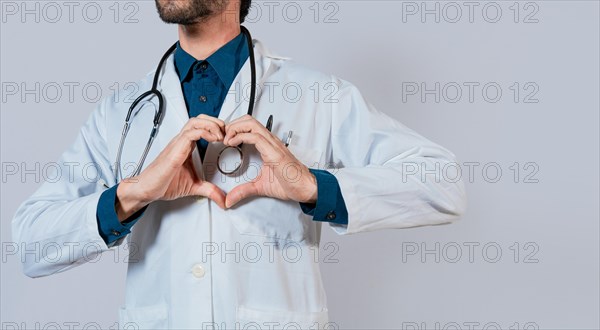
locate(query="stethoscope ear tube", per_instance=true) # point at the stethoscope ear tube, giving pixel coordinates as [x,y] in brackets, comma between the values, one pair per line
[252,69]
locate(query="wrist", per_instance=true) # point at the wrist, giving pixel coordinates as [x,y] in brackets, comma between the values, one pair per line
[311,189]
[129,200]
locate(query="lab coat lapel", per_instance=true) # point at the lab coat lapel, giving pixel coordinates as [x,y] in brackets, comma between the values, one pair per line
[176,115]
[238,97]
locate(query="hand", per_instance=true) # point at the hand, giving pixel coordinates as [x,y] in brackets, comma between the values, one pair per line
[282,176]
[171,175]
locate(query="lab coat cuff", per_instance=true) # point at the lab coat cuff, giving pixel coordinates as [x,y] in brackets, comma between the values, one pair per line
[109,226]
[330,205]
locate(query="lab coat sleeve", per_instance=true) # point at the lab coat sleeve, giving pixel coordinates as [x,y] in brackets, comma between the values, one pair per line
[56,228]
[387,172]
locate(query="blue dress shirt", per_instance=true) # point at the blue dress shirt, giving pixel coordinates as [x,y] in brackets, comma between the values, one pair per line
[205,84]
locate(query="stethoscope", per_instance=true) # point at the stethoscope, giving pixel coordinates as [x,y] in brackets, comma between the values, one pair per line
[227,152]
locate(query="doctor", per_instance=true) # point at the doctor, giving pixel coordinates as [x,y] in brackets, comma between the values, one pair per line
[210,249]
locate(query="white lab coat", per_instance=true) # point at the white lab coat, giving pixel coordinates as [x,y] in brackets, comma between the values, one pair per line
[254,265]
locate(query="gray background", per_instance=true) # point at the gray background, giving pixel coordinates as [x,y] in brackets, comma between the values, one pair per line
[553,215]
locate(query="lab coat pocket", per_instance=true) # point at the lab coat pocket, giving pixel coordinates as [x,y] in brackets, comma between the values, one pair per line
[149,317]
[250,318]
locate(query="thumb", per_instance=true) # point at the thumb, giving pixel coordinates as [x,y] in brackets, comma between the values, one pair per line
[211,191]
[241,192]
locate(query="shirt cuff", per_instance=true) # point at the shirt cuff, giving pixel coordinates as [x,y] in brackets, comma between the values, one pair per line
[330,205]
[109,226]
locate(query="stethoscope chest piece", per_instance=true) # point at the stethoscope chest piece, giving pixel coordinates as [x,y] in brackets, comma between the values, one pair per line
[231,161]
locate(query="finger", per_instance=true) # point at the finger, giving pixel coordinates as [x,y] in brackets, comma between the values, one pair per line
[205,124]
[241,192]
[230,129]
[245,123]
[242,118]
[266,149]
[210,191]
[213,119]
[195,134]
[186,141]
[250,125]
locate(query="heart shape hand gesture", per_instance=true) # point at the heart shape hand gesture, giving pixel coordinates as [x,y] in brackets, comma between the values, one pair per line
[171,175]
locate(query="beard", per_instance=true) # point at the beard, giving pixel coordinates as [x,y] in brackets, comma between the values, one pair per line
[187,12]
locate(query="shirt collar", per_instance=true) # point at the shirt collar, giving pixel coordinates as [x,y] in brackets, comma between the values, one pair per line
[227,60]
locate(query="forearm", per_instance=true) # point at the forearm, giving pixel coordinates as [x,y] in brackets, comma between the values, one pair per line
[45,220]
[386,197]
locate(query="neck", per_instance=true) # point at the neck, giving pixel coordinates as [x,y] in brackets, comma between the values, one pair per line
[206,37]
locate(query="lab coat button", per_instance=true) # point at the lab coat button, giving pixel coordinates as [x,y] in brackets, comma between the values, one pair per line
[198,271]
[331,215]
